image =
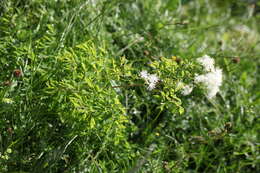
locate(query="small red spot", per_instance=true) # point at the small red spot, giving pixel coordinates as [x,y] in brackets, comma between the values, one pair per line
[17,73]
[178,60]
[146,52]
[236,60]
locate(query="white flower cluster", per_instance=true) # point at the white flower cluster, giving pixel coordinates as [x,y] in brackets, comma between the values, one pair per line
[186,90]
[212,80]
[207,62]
[150,79]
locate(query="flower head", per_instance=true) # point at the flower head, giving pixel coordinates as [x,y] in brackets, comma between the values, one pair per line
[212,81]
[207,62]
[144,74]
[150,79]
[153,78]
[186,90]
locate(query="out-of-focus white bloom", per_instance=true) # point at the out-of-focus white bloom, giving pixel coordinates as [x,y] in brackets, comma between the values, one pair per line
[135,111]
[212,81]
[207,62]
[144,74]
[242,29]
[153,78]
[187,89]
[150,79]
[141,39]
[151,86]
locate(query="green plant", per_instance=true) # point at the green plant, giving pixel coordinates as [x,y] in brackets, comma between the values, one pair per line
[115,86]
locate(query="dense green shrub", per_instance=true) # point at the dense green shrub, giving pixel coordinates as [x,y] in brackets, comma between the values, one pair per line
[116,86]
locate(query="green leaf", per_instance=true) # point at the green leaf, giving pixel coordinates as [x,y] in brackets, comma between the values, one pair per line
[92,123]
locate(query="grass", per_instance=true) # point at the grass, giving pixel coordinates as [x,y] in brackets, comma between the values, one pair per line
[71,99]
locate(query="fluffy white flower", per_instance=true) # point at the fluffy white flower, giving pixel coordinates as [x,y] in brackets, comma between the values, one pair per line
[187,89]
[151,86]
[212,81]
[207,62]
[144,74]
[151,79]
